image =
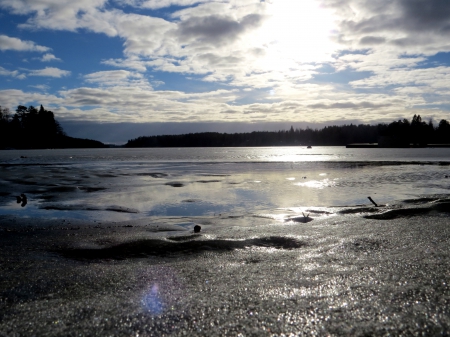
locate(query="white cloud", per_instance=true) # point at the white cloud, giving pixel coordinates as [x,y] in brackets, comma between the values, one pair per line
[300,103]
[14,97]
[118,78]
[12,43]
[133,62]
[14,73]
[49,57]
[50,72]
[42,87]
[157,83]
[61,14]
[156,4]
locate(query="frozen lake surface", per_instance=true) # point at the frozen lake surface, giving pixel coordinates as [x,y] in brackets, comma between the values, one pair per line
[104,184]
[289,245]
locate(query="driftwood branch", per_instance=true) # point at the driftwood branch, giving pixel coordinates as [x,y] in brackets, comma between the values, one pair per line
[373,202]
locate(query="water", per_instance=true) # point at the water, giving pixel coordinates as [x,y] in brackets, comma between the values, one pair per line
[132,183]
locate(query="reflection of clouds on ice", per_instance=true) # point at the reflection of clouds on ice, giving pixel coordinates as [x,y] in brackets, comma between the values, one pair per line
[319,184]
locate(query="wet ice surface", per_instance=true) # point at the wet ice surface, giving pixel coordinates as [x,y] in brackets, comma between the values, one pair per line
[132,190]
[335,275]
[105,245]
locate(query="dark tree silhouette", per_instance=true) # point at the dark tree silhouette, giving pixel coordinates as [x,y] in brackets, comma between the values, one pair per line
[443,132]
[31,128]
[5,118]
[401,133]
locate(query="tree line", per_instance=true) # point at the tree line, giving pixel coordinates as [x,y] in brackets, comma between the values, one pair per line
[32,128]
[401,133]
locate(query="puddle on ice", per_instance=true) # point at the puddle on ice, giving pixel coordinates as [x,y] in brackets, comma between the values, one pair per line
[319,184]
[109,190]
[33,210]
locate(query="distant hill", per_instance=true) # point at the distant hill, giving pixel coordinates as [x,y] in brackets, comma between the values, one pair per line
[31,128]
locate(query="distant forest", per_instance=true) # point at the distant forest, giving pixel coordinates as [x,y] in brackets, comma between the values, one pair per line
[31,128]
[401,133]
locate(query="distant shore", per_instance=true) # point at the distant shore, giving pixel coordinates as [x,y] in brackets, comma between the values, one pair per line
[377,146]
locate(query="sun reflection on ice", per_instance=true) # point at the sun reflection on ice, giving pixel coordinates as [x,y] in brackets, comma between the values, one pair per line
[319,184]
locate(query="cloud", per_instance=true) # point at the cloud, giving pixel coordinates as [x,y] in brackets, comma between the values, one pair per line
[49,57]
[349,105]
[157,4]
[49,72]
[133,62]
[12,43]
[216,29]
[144,35]
[301,103]
[61,14]
[117,78]
[14,97]
[407,26]
[14,73]
[151,42]
[371,40]
[266,55]
[430,15]
[42,87]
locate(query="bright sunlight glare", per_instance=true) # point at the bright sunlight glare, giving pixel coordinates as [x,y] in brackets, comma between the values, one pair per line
[298,31]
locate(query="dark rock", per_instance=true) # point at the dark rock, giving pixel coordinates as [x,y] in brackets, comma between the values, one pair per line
[22,199]
[197,229]
[175,184]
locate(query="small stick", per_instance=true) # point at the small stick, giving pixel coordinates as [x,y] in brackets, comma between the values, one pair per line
[305,216]
[373,202]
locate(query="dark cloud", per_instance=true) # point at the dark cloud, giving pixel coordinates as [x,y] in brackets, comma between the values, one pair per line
[380,19]
[216,60]
[217,29]
[88,101]
[372,40]
[430,15]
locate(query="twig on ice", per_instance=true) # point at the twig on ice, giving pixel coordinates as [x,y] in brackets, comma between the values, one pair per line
[373,202]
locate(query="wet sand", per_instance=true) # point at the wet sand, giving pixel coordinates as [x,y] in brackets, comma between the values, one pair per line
[360,271]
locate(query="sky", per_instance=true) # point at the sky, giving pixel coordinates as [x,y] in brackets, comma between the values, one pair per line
[113,70]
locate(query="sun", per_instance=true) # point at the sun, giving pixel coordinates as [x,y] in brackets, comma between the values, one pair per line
[297,31]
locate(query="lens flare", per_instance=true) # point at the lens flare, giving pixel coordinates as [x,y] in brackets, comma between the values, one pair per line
[152,302]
